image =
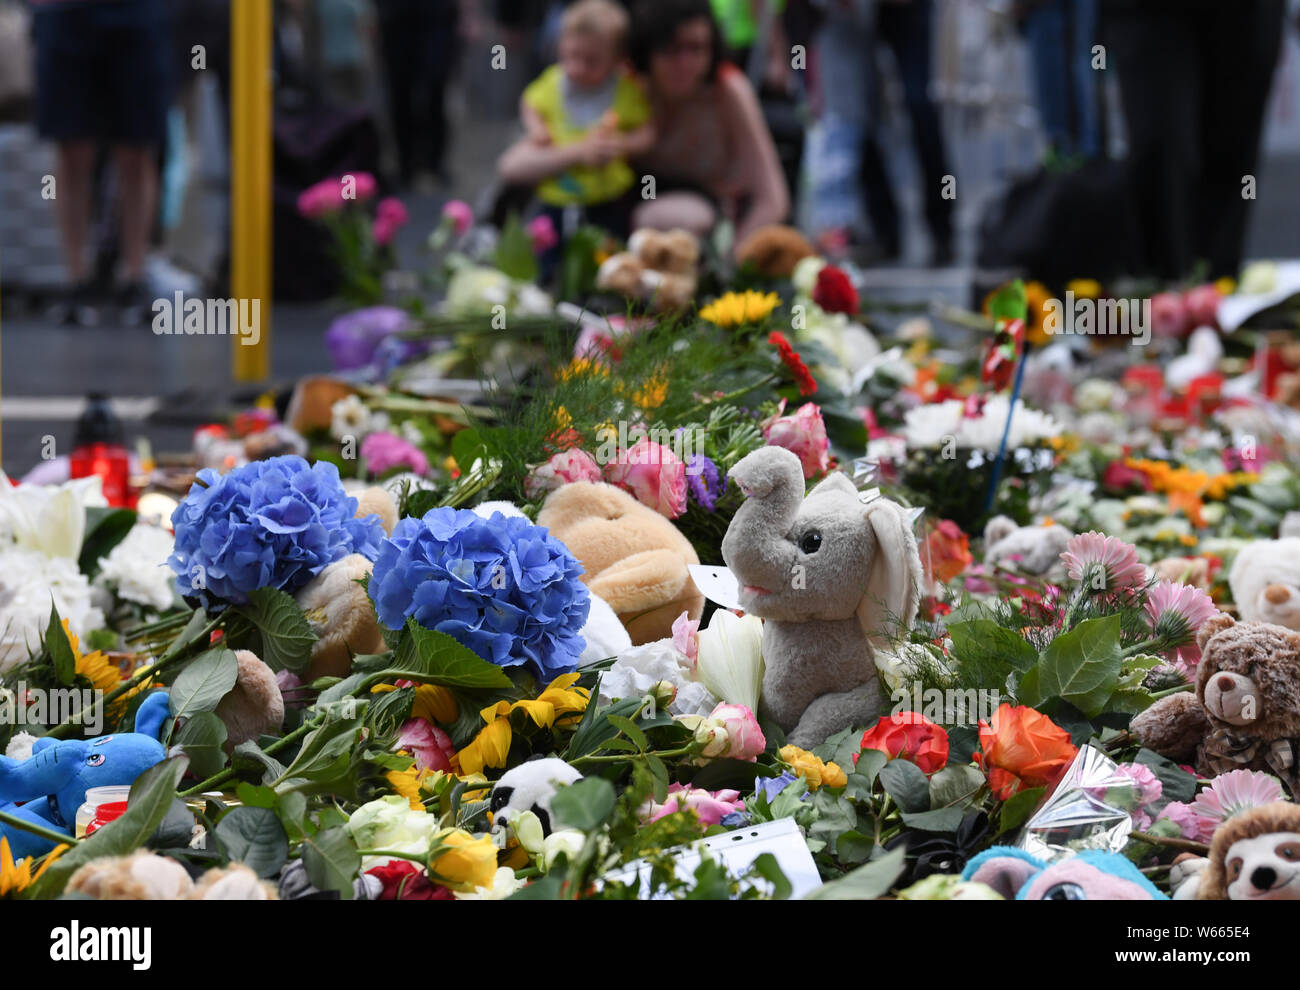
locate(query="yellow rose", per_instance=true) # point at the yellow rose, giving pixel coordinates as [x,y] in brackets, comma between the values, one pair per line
[805,764]
[462,861]
[833,776]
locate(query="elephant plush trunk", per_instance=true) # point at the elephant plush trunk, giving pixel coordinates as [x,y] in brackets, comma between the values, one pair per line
[46,772]
[755,547]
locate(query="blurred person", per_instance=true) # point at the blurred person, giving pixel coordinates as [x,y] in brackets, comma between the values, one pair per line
[713,157]
[583,118]
[104,79]
[418,41]
[1060,35]
[1194,81]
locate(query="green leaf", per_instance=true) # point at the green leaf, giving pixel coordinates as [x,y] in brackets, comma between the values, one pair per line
[870,763]
[254,837]
[547,888]
[955,786]
[177,828]
[866,882]
[248,757]
[963,741]
[722,774]
[982,636]
[203,683]
[659,771]
[1017,809]
[198,620]
[939,820]
[585,804]
[631,730]
[105,529]
[852,847]
[767,867]
[514,251]
[150,799]
[56,641]
[332,860]
[1082,665]
[906,784]
[442,660]
[253,796]
[203,740]
[286,636]
[595,727]
[1176,783]
[326,752]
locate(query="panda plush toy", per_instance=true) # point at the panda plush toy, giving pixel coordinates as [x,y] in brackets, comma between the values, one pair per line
[529,787]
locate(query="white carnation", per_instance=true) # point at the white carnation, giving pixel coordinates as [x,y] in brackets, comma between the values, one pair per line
[136,569]
[29,581]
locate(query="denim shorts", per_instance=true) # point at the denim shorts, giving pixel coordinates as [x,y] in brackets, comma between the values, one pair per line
[103,70]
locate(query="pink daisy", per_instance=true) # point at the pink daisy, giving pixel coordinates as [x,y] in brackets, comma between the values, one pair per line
[1120,568]
[1177,610]
[1234,792]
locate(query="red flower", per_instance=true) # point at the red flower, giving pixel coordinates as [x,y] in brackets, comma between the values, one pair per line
[563,440]
[802,376]
[1003,353]
[1120,478]
[909,736]
[404,881]
[1020,748]
[948,551]
[834,291]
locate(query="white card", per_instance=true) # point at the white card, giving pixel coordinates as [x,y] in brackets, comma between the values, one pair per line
[717,584]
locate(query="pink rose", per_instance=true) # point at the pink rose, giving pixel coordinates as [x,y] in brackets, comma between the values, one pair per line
[390,216]
[458,213]
[430,746]
[710,806]
[1168,314]
[686,635]
[803,434]
[745,740]
[567,466]
[1203,305]
[653,474]
[541,229]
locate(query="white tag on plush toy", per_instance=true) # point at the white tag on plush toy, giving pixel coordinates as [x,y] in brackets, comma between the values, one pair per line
[717,584]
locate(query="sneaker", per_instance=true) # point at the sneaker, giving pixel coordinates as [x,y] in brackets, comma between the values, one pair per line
[77,307]
[134,303]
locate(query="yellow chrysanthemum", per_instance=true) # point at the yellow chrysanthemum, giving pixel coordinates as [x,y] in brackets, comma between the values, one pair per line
[15,877]
[811,768]
[738,308]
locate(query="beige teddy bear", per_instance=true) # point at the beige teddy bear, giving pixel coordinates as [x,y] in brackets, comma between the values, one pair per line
[1265,582]
[658,267]
[635,559]
[147,876]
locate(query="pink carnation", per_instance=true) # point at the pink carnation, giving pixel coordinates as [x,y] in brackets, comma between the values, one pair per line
[563,468]
[653,474]
[710,806]
[382,451]
[459,214]
[803,434]
[390,217]
[1190,824]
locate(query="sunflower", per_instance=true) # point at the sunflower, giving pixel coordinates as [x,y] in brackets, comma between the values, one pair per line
[560,704]
[15,877]
[737,308]
[432,702]
[407,784]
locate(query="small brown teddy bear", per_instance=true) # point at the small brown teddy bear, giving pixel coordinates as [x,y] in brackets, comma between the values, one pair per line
[658,267]
[635,559]
[1255,856]
[1245,714]
[774,250]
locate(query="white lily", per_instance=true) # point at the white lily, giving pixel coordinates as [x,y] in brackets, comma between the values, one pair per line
[50,519]
[731,658]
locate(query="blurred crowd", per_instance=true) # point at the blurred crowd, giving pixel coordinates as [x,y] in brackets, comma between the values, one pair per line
[656,113]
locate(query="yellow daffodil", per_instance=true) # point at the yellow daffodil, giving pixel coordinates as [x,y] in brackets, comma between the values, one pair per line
[462,861]
[432,702]
[737,308]
[15,877]
[811,768]
[407,784]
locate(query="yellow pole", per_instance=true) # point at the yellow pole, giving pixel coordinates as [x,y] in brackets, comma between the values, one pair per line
[250,179]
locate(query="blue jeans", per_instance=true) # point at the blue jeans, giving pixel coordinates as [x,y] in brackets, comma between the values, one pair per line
[1061,34]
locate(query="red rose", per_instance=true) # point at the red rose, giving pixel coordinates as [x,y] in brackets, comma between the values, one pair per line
[909,736]
[1021,748]
[404,881]
[834,291]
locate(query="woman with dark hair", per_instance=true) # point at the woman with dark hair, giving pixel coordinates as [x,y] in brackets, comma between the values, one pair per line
[713,156]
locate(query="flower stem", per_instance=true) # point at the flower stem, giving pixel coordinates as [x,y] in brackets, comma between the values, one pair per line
[1185,845]
[624,757]
[226,775]
[1173,690]
[62,838]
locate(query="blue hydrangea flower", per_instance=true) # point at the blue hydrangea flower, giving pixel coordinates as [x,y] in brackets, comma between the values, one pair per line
[501,586]
[703,482]
[275,523]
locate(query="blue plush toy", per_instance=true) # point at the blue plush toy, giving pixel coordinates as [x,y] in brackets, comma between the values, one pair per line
[1091,875]
[49,786]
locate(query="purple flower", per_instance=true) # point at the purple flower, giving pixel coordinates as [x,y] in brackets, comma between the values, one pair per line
[703,482]
[353,338]
[772,786]
[269,524]
[502,586]
[383,452]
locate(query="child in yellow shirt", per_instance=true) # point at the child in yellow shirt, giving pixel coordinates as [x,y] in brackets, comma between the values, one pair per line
[592,116]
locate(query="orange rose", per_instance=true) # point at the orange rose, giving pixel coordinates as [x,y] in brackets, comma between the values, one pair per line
[1022,748]
[947,549]
[909,736]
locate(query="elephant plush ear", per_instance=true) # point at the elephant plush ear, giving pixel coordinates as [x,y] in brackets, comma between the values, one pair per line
[889,604]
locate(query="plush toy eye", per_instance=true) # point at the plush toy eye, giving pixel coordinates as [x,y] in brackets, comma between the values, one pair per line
[1234,868]
[811,541]
[95,760]
[500,798]
[1065,892]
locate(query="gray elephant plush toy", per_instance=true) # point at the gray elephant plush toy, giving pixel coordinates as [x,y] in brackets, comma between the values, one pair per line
[834,578]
